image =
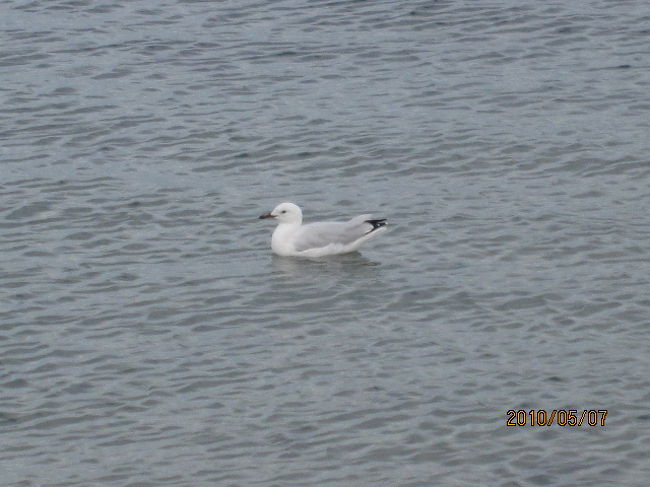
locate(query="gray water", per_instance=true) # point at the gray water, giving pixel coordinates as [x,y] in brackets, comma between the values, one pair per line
[148,337]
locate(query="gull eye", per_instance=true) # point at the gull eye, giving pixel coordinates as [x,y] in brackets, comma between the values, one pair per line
[283,211]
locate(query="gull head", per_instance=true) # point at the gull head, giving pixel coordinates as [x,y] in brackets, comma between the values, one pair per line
[285,213]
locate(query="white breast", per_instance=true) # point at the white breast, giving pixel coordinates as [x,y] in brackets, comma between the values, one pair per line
[282,240]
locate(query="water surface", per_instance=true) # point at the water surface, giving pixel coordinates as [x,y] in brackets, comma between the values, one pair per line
[149,338]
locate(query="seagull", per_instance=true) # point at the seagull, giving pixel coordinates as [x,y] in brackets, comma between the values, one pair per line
[292,238]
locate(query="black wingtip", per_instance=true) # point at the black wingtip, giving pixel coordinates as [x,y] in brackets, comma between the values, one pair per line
[377,224]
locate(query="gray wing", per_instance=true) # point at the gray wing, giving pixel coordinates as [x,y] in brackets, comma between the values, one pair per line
[316,235]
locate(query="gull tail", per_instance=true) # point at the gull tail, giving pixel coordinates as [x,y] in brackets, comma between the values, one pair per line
[376,224]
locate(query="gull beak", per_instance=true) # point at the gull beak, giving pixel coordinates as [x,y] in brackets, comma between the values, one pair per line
[266,215]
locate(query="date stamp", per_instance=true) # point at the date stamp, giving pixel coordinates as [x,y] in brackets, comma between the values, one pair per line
[561,417]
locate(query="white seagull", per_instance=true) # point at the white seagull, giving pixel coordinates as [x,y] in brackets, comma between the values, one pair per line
[292,238]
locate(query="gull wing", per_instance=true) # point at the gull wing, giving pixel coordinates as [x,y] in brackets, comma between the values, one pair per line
[316,235]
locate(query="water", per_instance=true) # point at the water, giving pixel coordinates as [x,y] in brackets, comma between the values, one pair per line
[149,338]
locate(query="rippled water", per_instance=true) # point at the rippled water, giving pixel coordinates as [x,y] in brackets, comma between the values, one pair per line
[149,338]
